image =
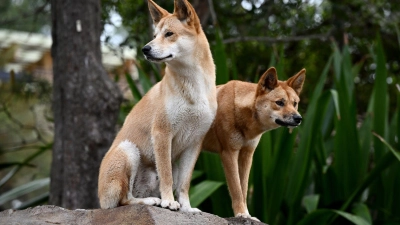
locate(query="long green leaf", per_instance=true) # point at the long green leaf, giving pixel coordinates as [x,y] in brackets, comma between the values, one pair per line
[23,189]
[210,164]
[14,170]
[310,202]
[301,168]
[395,153]
[362,211]
[10,174]
[321,216]
[40,199]
[380,107]
[203,190]
[335,99]
[318,217]
[397,32]
[196,174]
[385,162]
[132,86]
[262,162]
[156,72]
[220,59]
[282,153]
[346,167]
[11,164]
[353,218]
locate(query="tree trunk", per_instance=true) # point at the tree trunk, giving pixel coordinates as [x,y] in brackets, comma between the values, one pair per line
[85,103]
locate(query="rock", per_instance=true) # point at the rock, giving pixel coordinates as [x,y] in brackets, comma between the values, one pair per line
[133,214]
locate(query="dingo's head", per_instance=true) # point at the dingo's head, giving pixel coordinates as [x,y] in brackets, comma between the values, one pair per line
[277,101]
[174,34]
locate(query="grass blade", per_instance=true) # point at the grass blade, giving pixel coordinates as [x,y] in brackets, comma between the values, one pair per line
[196,174]
[14,170]
[40,199]
[132,86]
[144,80]
[321,216]
[220,59]
[335,99]
[385,162]
[301,165]
[198,193]
[310,202]
[262,160]
[358,220]
[346,167]
[210,164]
[395,153]
[23,189]
[380,107]
[362,211]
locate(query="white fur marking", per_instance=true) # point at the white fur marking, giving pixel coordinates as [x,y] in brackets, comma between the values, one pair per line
[131,150]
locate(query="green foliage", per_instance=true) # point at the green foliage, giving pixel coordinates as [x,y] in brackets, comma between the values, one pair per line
[25,142]
[331,169]
[200,192]
[23,189]
[317,173]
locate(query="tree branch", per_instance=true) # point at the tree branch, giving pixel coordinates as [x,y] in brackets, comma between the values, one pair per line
[212,12]
[322,37]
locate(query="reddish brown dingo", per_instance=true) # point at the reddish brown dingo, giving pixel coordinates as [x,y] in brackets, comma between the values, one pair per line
[245,112]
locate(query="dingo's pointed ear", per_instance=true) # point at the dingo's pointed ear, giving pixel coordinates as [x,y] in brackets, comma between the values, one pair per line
[156,12]
[268,81]
[186,13]
[296,82]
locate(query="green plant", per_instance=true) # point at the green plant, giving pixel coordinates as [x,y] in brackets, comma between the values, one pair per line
[25,143]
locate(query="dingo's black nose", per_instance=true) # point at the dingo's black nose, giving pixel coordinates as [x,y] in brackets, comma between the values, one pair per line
[146,49]
[297,118]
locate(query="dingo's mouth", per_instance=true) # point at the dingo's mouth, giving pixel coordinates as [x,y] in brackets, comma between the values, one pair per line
[150,58]
[286,124]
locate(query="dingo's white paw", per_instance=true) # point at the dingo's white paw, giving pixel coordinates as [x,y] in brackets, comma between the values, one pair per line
[152,201]
[172,205]
[246,215]
[189,209]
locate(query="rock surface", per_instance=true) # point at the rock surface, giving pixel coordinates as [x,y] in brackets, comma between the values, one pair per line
[133,214]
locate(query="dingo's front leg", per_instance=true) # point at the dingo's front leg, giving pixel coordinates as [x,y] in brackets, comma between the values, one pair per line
[229,159]
[245,161]
[186,165]
[162,152]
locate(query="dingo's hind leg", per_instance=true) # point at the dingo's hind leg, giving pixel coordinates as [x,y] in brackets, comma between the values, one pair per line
[133,156]
[117,174]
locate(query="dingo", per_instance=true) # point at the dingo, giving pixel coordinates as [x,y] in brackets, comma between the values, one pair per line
[159,143]
[245,112]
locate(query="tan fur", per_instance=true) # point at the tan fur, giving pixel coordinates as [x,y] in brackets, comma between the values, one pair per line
[245,112]
[156,149]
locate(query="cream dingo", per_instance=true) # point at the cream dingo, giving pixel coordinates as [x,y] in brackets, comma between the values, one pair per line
[158,145]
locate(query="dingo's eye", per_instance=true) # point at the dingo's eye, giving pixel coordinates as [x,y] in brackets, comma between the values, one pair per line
[280,103]
[169,33]
[295,104]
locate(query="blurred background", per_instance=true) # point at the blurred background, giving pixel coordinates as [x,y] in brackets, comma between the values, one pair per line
[341,166]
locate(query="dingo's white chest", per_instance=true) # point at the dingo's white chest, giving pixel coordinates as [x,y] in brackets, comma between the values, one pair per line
[189,121]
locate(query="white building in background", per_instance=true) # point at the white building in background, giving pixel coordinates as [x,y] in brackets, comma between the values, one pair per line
[24,52]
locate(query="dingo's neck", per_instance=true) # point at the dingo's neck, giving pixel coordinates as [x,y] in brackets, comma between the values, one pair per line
[193,76]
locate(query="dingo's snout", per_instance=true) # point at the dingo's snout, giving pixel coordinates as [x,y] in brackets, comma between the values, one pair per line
[293,121]
[297,118]
[146,49]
